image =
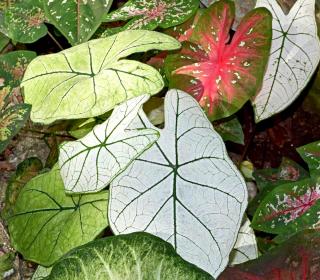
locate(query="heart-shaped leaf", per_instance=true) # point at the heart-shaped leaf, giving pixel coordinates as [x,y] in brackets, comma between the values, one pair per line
[11,121]
[24,21]
[230,130]
[221,76]
[126,257]
[245,248]
[90,79]
[91,163]
[154,13]
[54,223]
[289,208]
[295,54]
[311,155]
[297,259]
[77,20]
[191,195]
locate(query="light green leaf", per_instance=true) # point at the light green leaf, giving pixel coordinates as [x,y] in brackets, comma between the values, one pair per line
[90,79]
[24,21]
[295,54]
[47,223]
[230,130]
[246,248]
[91,163]
[77,20]
[135,256]
[4,40]
[184,189]
[41,273]
[11,121]
[154,13]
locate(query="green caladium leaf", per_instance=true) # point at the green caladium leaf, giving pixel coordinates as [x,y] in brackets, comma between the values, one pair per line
[26,170]
[192,195]
[154,13]
[11,121]
[132,256]
[24,21]
[246,248]
[311,155]
[41,273]
[90,79]
[4,40]
[91,163]
[77,20]
[222,76]
[13,66]
[230,130]
[295,54]
[54,223]
[289,208]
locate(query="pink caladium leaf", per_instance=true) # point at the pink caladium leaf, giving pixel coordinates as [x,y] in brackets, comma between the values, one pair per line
[289,208]
[150,14]
[222,76]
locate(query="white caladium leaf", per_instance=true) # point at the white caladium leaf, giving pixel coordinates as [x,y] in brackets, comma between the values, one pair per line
[89,164]
[295,54]
[246,248]
[184,189]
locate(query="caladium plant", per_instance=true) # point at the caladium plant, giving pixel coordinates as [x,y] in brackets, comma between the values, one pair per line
[294,57]
[97,70]
[192,195]
[222,76]
[154,13]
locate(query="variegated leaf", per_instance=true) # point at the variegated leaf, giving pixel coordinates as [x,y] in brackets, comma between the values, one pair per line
[295,54]
[91,163]
[184,189]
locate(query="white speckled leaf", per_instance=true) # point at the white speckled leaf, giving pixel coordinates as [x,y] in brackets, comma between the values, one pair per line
[90,79]
[76,19]
[246,248]
[91,163]
[184,189]
[295,54]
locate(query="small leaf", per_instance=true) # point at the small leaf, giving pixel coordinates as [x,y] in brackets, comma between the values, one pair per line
[13,66]
[26,170]
[77,20]
[297,259]
[11,121]
[24,21]
[221,76]
[295,54]
[154,13]
[126,257]
[4,40]
[311,155]
[91,163]
[230,130]
[245,248]
[90,79]
[191,195]
[289,208]
[41,273]
[54,223]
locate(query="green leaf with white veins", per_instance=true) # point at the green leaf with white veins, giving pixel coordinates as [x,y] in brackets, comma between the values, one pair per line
[90,79]
[135,256]
[184,189]
[76,19]
[46,223]
[295,54]
[91,163]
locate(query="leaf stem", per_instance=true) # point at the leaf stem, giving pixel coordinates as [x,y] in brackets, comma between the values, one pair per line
[55,40]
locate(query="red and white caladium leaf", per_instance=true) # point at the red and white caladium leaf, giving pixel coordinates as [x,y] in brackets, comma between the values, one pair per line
[297,259]
[184,189]
[289,208]
[311,155]
[295,54]
[222,76]
[150,14]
